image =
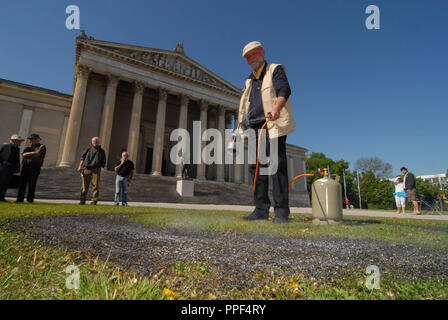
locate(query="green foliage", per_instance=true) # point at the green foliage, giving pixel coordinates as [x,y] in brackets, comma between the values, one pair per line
[318,160]
[427,190]
[377,192]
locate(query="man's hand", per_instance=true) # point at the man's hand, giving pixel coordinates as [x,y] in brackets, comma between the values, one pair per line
[80,166]
[274,115]
[275,112]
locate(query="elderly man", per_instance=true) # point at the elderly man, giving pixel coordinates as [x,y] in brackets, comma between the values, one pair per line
[9,163]
[125,170]
[266,95]
[92,160]
[33,158]
[410,188]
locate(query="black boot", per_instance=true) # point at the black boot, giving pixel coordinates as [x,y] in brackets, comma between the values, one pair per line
[257,215]
[280,219]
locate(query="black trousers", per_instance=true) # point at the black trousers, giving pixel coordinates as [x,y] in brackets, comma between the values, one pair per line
[28,177]
[5,178]
[279,180]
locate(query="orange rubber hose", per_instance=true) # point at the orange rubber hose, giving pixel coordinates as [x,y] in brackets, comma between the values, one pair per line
[258,157]
[258,152]
[300,175]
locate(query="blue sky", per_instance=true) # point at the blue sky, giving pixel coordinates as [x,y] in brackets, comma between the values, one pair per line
[356,92]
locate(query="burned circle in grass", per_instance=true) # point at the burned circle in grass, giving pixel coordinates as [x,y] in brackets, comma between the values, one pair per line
[233,256]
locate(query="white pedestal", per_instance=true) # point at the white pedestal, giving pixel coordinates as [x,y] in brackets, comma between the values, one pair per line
[185,188]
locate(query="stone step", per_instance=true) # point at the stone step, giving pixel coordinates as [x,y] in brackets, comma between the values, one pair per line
[65,183]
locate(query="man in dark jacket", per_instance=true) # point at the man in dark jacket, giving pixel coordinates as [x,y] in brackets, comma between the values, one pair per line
[33,158]
[9,163]
[92,160]
[410,188]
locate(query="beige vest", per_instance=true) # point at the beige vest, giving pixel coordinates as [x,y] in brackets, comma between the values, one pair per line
[285,124]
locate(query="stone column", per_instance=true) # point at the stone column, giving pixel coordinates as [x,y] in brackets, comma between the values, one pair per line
[228,171]
[228,117]
[134,126]
[238,173]
[220,168]
[141,151]
[62,138]
[245,168]
[108,113]
[74,122]
[159,136]
[201,165]
[25,123]
[238,169]
[183,116]
[210,170]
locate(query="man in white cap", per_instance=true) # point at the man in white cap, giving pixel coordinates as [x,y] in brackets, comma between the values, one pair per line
[266,96]
[9,162]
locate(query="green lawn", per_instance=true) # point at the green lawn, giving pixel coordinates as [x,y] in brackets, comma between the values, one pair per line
[29,270]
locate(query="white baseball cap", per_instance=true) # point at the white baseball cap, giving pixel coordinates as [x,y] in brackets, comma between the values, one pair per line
[250,46]
[16,137]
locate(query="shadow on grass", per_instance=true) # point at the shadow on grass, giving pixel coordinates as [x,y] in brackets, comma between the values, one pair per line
[361,222]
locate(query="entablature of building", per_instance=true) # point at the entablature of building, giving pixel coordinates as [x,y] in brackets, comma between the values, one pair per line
[34,96]
[157,68]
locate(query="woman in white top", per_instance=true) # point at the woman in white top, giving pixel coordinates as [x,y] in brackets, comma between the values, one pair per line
[400,194]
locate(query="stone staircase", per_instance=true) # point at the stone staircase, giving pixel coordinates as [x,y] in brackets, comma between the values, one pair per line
[65,183]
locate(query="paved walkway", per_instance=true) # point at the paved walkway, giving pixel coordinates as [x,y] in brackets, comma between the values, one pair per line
[350,212]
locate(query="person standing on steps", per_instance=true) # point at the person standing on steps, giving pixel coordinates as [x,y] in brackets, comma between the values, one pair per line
[125,170]
[92,160]
[9,163]
[33,158]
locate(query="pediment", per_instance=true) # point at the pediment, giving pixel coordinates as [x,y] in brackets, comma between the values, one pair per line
[175,62]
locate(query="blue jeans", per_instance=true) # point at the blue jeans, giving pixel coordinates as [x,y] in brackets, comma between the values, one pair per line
[121,188]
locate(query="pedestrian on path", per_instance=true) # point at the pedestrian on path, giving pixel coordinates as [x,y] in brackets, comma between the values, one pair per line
[125,170]
[92,160]
[410,188]
[400,195]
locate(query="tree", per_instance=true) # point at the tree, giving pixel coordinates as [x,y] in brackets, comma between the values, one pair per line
[427,190]
[318,160]
[375,165]
[375,192]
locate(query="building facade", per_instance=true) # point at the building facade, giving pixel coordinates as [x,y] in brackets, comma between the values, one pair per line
[25,109]
[133,98]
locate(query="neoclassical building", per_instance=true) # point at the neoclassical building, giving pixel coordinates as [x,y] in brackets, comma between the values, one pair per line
[133,97]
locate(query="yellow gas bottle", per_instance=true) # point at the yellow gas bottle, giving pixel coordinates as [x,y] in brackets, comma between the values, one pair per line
[326,196]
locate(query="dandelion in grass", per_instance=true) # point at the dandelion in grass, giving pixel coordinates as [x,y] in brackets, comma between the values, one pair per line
[170,294]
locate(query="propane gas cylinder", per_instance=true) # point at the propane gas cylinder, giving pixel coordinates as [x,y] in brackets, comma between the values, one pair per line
[326,196]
